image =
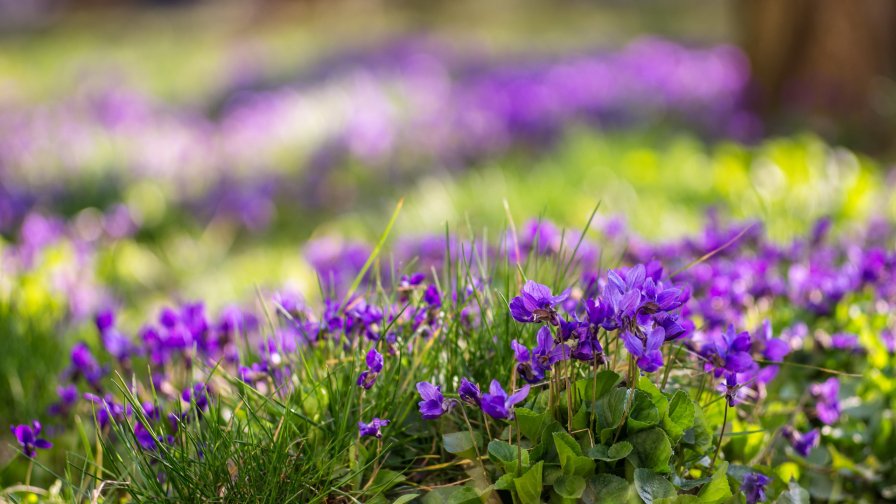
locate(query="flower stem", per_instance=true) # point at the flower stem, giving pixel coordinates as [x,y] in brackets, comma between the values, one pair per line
[721,435]
[632,374]
[463,411]
[569,396]
[519,447]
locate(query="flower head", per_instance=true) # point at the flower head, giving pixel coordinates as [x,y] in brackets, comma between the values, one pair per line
[498,404]
[434,403]
[27,436]
[375,366]
[373,428]
[827,407]
[469,392]
[802,443]
[535,304]
[753,487]
[728,352]
[646,351]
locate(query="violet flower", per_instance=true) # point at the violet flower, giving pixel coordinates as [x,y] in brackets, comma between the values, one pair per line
[753,487]
[27,436]
[802,443]
[535,304]
[827,407]
[374,428]
[375,365]
[646,351]
[728,352]
[546,353]
[498,404]
[469,392]
[434,403]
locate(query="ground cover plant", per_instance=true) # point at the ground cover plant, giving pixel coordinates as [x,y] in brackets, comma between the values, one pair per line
[603,281]
[645,371]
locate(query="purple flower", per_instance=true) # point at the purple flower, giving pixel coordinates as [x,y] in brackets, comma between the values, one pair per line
[373,428]
[546,353]
[753,487]
[773,349]
[375,365]
[497,404]
[27,436]
[68,396]
[431,297]
[108,409]
[197,394]
[434,403]
[469,392]
[845,341]
[144,437]
[524,365]
[802,443]
[728,352]
[536,304]
[84,364]
[646,351]
[533,365]
[827,407]
[585,345]
[105,319]
[734,390]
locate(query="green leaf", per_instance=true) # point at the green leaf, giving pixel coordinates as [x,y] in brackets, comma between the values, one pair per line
[581,466]
[501,451]
[386,479]
[404,499]
[718,488]
[651,486]
[699,436]
[618,451]
[533,425]
[658,398]
[610,409]
[652,450]
[580,419]
[795,494]
[678,499]
[461,443]
[505,454]
[608,489]
[567,448]
[528,486]
[465,495]
[643,414]
[680,416]
[505,482]
[570,486]
[599,386]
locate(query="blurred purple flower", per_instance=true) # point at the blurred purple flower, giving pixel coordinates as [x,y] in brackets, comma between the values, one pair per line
[27,436]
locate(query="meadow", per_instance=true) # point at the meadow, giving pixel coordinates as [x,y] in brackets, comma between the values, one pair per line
[422,274]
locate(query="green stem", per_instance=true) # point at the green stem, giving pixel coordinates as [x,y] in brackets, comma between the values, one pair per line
[632,373]
[519,447]
[721,435]
[568,396]
[463,410]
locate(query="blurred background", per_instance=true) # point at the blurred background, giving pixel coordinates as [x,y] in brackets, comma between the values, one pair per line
[190,149]
[165,151]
